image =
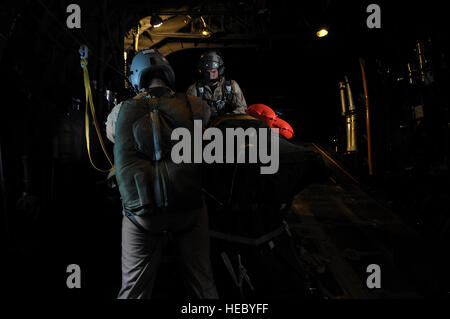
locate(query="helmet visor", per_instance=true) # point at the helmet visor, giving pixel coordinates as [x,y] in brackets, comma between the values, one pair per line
[211,65]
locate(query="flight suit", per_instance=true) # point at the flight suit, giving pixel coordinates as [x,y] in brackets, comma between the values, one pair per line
[146,230]
[237,103]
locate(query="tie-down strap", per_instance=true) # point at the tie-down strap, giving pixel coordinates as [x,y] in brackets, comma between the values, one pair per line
[250,241]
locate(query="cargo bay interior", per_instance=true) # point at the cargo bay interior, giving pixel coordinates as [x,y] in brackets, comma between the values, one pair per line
[371,102]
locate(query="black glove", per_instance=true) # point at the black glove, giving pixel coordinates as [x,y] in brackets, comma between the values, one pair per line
[218,108]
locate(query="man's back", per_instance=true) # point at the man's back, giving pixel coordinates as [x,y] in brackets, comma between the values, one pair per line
[162,201]
[142,151]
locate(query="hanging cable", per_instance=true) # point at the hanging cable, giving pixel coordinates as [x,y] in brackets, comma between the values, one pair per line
[90,104]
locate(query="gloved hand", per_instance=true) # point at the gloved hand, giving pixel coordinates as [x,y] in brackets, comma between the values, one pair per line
[218,108]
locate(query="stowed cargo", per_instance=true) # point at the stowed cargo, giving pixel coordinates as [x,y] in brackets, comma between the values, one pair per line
[251,242]
[251,203]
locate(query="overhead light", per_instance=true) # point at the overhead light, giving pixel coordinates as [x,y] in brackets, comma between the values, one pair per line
[156,21]
[205,31]
[322,32]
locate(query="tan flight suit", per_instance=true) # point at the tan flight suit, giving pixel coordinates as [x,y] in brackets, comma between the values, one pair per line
[144,235]
[238,103]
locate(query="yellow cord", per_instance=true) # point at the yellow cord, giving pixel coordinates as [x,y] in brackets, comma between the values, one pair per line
[89,102]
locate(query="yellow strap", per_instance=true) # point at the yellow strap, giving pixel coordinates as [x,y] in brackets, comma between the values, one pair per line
[89,102]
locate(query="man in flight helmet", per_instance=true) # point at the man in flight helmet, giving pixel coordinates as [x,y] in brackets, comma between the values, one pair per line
[162,202]
[146,66]
[222,95]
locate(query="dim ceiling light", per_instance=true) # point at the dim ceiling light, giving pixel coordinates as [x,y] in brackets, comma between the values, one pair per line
[322,32]
[205,31]
[156,21]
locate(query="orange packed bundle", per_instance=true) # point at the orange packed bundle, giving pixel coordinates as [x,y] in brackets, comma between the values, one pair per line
[267,115]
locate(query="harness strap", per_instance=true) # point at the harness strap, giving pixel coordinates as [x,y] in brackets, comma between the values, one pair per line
[227,90]
[200,91]
[161,179]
